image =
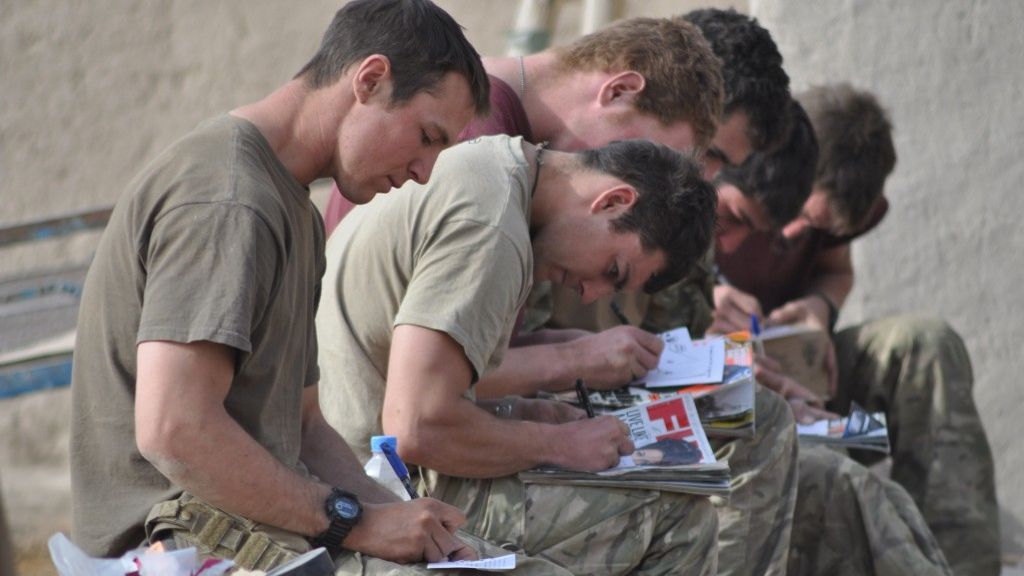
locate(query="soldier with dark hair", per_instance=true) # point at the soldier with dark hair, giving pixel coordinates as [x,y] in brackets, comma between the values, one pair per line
[195,417]
[915,369]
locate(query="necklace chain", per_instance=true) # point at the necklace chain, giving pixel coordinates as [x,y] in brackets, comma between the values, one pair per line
[522,79]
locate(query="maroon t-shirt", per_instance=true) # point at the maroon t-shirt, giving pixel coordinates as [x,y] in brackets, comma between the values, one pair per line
[776,275]
[507,117]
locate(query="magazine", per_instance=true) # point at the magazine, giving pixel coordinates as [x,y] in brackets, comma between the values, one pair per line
[861,429]
[672,454]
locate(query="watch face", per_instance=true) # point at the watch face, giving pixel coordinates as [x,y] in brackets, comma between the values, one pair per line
[346,508]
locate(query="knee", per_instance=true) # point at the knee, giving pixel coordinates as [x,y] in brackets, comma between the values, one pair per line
[908,332]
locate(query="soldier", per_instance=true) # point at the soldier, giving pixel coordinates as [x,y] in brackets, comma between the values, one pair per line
[915,369]
[423,289]
[195,417]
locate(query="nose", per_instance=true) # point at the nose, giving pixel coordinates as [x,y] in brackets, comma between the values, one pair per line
[421,168]
[795,229]
[595,290]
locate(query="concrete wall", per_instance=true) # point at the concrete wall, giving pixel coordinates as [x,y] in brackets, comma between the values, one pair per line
[951,75]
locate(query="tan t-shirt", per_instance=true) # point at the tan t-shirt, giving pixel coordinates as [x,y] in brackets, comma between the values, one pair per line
[215,240]
[453,256]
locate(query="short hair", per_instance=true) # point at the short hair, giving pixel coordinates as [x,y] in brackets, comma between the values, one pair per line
[422,41]
[683,79]
[755,82]
[675,207]
[857,151]
[780,180]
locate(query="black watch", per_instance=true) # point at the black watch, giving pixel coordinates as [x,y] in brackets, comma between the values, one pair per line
[344,511]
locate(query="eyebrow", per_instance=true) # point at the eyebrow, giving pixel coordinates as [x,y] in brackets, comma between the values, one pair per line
[442,134]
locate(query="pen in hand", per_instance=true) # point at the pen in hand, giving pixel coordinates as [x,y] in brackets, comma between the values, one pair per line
[755,332]
[584,397]
[399,467]
[618,313]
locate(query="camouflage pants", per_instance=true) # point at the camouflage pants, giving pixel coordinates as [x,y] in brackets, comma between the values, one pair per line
[850,522]
[592,531]
[918,371]
[354,564]
[279,546]
[754,524]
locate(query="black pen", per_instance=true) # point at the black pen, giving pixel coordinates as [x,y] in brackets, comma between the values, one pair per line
[584,397]
[618,313]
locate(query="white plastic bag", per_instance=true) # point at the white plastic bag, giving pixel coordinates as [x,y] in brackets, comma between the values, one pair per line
[70,560]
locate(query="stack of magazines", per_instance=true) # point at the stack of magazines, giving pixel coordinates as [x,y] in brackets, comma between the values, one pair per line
[672,454]
[715,371]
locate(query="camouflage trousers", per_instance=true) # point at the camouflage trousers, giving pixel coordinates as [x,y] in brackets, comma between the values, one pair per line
[850,522]
[918,371]
[278,546]
[592,531]
[355,564]
[754,523]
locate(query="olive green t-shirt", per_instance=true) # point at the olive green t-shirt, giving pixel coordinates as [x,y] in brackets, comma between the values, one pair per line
[453,255]
[214,241]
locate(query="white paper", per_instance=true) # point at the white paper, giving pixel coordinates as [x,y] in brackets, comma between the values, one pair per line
[506,562]
[684,364]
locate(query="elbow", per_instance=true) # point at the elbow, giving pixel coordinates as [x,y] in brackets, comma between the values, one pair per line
[414,437]
[164,444]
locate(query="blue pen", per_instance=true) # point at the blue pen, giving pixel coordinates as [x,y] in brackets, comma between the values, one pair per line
[755,332]
[399,467]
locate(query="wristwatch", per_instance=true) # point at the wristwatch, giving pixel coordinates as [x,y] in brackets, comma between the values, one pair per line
[344,511]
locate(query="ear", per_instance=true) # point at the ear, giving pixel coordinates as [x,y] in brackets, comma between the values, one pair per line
[621,87]
[614,201]
[371,78]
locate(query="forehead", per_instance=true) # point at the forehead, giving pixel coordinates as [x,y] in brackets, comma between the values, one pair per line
[731,138]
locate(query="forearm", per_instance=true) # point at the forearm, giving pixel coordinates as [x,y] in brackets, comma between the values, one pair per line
[213,458]
[326,455]
[461,439]
[835,286]
[549,336]
[530,369]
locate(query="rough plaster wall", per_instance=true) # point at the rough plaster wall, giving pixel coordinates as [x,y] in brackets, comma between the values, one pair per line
[951,75]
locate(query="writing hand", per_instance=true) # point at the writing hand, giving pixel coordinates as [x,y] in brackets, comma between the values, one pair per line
[404,532]
[593,444]
[733,309]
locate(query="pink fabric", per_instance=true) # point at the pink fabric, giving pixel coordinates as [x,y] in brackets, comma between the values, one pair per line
[775,276]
